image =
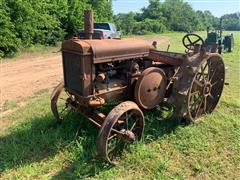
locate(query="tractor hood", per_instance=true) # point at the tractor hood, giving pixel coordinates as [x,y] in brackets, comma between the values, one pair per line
[108,50]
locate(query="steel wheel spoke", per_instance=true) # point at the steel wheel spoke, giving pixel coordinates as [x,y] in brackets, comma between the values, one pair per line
[213,84]
[134,124]
[201,76]
[211,96]
[213,75]
[117,147]
[199,107]
[205,105]
[113,136]
[194,93]
[128,116]
[199,84]
[117,132]
[196,101]
[114,147]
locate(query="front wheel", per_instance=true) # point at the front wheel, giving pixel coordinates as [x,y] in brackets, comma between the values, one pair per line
[59,102]
[123,125]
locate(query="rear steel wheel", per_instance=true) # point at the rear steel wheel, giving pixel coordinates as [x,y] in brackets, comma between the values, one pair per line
[198,86]
[206,88]
[123,125]
[59,102]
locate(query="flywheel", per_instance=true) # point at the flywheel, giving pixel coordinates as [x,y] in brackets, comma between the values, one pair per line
[150,88]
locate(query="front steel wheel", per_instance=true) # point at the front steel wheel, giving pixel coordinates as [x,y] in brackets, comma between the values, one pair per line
[123,125]
[60,99]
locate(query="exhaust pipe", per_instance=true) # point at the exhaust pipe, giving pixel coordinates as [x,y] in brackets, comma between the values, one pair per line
[88,24]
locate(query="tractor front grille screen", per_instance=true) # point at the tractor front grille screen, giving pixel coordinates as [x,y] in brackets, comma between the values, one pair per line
[73,72]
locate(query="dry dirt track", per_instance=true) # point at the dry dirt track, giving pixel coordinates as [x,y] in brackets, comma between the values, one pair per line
[21,78]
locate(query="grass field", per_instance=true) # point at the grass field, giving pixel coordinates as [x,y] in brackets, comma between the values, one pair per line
[33,148]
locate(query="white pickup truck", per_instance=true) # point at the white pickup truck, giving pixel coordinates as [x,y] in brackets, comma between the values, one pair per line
[102,31]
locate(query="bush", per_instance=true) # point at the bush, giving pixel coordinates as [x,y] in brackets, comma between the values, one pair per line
[9,42]
[148,26]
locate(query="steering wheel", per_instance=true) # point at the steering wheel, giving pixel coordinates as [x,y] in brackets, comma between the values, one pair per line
[190,40]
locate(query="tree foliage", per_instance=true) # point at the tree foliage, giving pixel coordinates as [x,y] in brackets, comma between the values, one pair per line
[9,43]
[206,19]
[173,15]
[180,15]
[102,10]
[231,21]
[24,23]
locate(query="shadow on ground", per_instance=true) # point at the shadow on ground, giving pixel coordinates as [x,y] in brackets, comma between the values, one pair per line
[38,139]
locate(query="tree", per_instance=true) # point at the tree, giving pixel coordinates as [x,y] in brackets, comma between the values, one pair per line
[231,21]
[9,42]
[102,10]
[125,22]
[74,16]
[180,15]
[153,11]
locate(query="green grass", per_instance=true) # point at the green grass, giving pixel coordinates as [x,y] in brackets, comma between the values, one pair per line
[9,105]
[33,148]
[33,52]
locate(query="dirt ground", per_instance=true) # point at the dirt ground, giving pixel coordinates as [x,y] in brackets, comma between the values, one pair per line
[22,77]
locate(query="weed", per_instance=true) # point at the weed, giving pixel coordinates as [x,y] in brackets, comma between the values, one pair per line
[9,105]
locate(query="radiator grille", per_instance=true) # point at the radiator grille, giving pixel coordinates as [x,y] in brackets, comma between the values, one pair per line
[73,73]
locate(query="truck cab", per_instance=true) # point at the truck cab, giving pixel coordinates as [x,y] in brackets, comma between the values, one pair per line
[102,30]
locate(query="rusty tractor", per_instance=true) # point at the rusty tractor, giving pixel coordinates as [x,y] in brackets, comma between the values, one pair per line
[139,77]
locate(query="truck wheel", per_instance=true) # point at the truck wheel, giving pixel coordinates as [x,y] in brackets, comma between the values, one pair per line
[230,48]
